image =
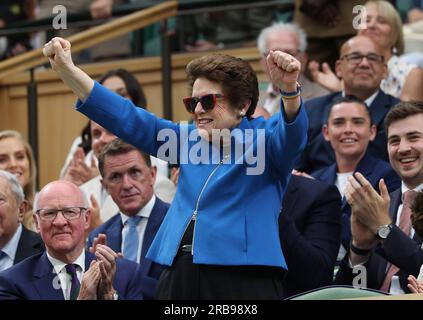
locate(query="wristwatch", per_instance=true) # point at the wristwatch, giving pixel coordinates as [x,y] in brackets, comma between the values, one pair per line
[383,231]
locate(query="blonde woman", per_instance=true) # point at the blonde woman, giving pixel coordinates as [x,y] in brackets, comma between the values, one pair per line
[16,157]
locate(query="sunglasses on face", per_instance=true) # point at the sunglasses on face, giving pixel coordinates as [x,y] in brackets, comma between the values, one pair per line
[208,101]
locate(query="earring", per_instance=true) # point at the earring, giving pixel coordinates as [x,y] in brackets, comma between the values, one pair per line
[241,113]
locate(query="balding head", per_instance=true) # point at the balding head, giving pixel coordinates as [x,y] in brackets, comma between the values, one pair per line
[361,76]
[62,216]
[360,40]
[58,189]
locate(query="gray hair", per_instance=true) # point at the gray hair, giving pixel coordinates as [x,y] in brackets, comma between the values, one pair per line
[14,185]
[281,27]
[84,198]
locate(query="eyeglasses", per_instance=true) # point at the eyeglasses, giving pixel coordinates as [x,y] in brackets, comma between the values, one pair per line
[356,58]
[70,213]
[208,101]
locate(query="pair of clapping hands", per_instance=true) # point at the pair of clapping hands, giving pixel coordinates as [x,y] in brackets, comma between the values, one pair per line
[97,281]
[369,209]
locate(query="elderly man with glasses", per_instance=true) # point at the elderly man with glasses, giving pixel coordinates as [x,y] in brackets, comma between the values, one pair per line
[66,271]
[361,67]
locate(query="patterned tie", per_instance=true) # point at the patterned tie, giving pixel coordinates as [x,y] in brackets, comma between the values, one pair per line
[130,248]
[74,291]
[405,226]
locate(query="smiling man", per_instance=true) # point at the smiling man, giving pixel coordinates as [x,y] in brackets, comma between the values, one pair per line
[382,237]
[362,68]
[349,129]
[66,271]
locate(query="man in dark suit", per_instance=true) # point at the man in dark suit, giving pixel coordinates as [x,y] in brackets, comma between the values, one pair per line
[66,271]
[362,68]
[349,129]
[310,233]
[383,242]
[129,179]
[16,242]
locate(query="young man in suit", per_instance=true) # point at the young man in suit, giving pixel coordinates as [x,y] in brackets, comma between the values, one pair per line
[349,129]
[129,177]
[66,271]
[16,242]
[361,67]
[383,242]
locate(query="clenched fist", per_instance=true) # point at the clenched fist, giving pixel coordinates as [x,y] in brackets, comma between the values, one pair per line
[284,70]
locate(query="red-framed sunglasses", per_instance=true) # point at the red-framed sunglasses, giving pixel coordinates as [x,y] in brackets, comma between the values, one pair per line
[208,101]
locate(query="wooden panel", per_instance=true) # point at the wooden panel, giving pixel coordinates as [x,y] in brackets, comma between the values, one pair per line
[58,122]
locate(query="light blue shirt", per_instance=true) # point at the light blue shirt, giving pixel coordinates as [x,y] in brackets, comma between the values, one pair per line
[10,250]
[145,213]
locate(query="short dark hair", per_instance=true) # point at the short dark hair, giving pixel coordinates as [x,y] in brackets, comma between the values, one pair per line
[133,86]
[349,99]
[401,111]
[417,214]
[117,147]
[237,78]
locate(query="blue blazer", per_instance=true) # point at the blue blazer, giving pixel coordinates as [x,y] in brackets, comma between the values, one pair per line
[318,152]
[236,204]
[34,279]
[398,248]
[373,170]
[113,229]
[310,233]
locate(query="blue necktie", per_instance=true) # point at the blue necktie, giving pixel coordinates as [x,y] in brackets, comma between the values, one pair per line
[130,248]
[75,285]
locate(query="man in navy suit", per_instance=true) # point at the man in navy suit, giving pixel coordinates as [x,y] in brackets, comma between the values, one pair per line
[16,242]
[349,129]
[380,224]
[362,68]
[66,271]
[310,233]
[129,179]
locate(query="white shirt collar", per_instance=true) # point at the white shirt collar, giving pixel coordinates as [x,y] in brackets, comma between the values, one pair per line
[404,188]
[59,265]
[369,100]
[144,212]
[12,246]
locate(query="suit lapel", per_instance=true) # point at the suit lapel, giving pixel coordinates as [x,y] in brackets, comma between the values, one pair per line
[289,198]
[46,280]
[114,234]
[24,248]
[379,107]
[88,258]
[153,224]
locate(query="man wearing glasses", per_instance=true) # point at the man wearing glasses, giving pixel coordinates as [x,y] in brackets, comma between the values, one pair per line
[66,271]
[361,67]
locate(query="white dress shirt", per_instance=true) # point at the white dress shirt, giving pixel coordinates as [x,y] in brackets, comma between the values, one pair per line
[64,280]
